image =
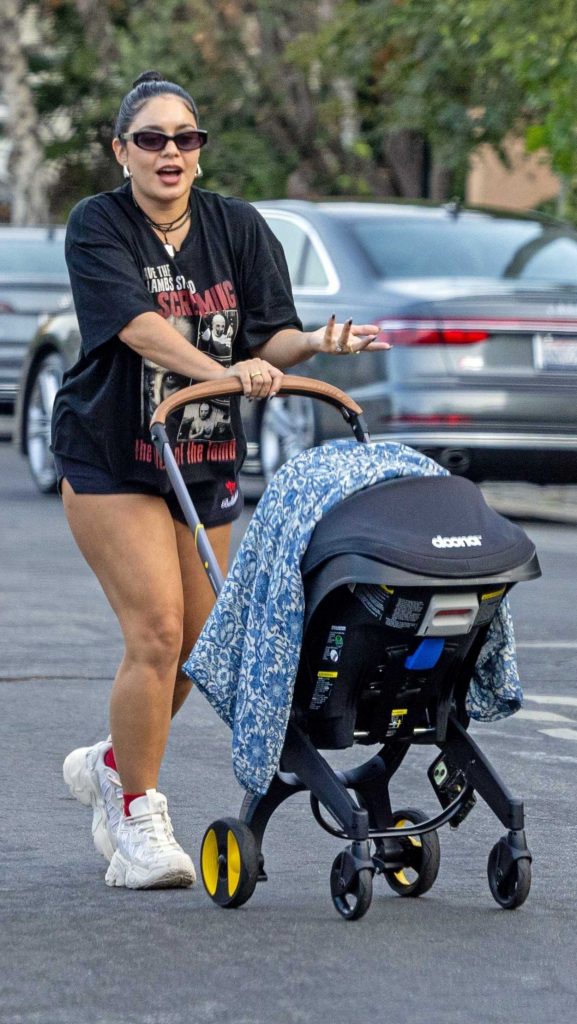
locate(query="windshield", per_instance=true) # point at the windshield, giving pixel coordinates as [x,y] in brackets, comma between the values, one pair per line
[32,256]
[463,247]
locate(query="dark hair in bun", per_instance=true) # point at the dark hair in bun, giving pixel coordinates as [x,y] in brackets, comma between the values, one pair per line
[148,85]
[147,76]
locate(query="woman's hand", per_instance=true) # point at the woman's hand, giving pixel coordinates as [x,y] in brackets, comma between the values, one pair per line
[259,379]
[346,339]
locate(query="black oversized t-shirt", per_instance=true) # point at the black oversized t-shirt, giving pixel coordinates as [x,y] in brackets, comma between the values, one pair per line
[227,291]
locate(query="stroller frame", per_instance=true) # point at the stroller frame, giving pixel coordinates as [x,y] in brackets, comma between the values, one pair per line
[358,799]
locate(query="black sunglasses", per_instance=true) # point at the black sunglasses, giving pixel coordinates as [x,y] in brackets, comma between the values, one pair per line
[153,142]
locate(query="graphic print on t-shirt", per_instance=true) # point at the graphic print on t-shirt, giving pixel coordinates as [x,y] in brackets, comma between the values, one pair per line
[209,320]
[216,332]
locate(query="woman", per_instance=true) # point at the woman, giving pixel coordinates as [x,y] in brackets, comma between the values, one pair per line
[152,266]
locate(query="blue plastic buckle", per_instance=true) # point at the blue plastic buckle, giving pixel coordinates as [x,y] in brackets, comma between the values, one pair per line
[427,654]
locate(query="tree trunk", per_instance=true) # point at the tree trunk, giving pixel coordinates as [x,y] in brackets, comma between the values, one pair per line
[406,154]
[29,176]
[291,98]
[442,183]
[99,33]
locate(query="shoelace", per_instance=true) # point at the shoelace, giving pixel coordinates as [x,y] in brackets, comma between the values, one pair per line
[157,826]
[114,784]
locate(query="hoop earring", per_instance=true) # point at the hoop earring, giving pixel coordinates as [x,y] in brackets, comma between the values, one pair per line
[199,172]
[125,172]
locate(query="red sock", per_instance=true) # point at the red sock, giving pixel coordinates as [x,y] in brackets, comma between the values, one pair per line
[109,760]
[128,798]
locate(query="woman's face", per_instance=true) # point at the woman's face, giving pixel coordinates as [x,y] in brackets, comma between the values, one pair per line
[160,384]
[164,177]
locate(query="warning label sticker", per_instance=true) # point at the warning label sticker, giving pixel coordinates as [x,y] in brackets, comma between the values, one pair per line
[374,598]
[397,715]
[406,614]
[334,644]
[322,690]
[488,606]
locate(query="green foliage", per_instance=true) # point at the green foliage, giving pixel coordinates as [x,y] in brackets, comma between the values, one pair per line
[313,89]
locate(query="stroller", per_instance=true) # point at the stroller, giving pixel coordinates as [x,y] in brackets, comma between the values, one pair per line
[393,628]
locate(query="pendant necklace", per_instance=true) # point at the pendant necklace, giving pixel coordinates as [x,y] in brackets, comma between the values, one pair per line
[165,228]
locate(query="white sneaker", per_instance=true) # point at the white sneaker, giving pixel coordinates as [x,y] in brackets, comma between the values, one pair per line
[147,855]
[99,787]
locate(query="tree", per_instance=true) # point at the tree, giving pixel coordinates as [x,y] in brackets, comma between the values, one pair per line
[311,98]
[280,124]
[461,72]
[29,174]
[428,93]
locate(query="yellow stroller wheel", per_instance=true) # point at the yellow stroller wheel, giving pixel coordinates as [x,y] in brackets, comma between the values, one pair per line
[229,862]
[422,855]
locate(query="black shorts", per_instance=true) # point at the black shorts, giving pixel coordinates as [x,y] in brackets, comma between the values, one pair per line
[217,502]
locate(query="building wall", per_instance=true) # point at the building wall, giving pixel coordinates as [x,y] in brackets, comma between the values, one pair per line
[528,181]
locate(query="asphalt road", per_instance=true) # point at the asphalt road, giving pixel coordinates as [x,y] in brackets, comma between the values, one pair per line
[76,952]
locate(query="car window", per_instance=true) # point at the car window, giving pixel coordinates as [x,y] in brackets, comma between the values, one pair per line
[32,256]
[468,248]
[314,274]
[304,262]
[293,240]
[554,260]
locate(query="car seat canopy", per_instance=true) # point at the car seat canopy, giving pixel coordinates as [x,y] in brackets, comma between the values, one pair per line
[436,526]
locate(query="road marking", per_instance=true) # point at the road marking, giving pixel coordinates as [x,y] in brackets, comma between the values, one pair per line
[541,755]
[544,698]
[543,716]
[540,716]
[561,734]
[560,645]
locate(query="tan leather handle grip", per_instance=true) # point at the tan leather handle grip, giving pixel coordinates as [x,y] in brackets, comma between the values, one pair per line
[232,386]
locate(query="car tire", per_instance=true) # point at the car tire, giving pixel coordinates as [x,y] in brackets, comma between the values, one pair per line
[45,379]
[288,426]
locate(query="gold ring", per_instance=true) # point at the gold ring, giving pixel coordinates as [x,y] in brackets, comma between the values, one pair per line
[352,351]
[257,374]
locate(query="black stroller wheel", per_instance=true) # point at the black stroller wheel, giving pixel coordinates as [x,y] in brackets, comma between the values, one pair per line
[509,888]
[229,862]
[351,889]
[355,902]
[422,857]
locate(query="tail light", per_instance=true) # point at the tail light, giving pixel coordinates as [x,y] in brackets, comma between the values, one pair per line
[5,307]
[430,333]
[447,419]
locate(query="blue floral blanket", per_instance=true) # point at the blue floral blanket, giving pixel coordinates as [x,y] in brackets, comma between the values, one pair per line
[245,660]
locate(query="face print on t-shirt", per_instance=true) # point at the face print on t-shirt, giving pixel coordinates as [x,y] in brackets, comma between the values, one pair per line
[158,384]
[206,421]
[216,333]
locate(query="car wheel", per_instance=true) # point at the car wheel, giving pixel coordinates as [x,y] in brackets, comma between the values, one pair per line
[46,378]
[288,426]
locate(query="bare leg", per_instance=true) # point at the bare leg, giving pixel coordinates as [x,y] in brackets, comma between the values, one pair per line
[129,541]
[199,596]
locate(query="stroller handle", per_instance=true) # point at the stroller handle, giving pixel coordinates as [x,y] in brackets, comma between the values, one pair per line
[291,385]
[294,385]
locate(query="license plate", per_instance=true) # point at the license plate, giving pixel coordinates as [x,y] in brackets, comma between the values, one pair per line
[552,352]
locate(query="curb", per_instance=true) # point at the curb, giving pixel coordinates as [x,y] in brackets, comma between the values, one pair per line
[532,501]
